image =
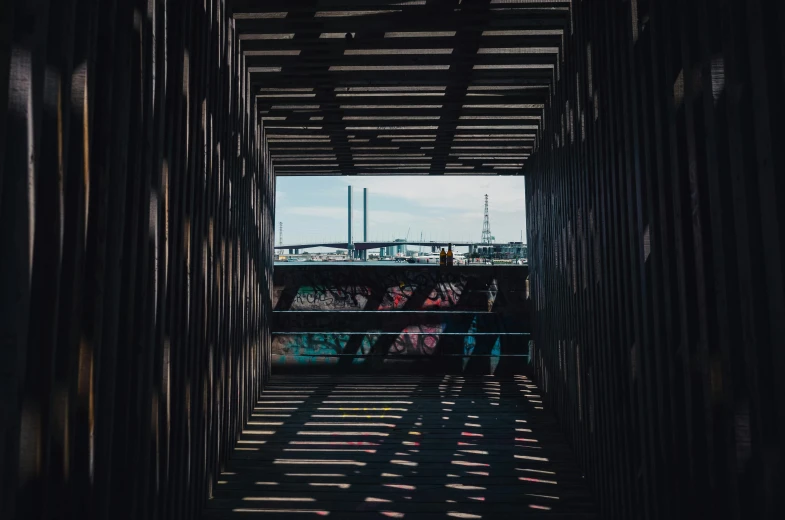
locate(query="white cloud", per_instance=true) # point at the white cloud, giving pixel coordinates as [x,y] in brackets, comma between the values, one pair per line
[316,211]
[438,206]
[374,216]
[504,193]
[385,217]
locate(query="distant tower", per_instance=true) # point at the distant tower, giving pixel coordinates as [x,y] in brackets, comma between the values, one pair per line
[280,233]
[365,222]
[349,246]
[487,238]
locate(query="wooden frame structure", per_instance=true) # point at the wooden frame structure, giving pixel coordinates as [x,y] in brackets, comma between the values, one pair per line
[136,201]
[138,145]
[405,88]
[655,214]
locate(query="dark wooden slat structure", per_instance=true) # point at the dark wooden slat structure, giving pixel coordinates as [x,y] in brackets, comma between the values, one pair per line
[655,213]
[401,447]
[139,143]
[136,199]
[426,87]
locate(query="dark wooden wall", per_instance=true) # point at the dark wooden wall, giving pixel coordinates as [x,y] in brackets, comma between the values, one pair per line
[136,205]
[656,233]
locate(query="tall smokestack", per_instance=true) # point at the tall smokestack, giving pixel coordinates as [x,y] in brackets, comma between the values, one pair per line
[365,221]
[365,214]
[349,236]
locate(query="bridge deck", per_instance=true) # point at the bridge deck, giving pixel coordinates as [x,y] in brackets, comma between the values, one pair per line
[359,447]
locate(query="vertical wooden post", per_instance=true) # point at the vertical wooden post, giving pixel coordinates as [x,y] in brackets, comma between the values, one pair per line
[131,330]
[675,175]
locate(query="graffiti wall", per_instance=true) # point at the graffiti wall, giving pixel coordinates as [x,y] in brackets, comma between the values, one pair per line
[460,318]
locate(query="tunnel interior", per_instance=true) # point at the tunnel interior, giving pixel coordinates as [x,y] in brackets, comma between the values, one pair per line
[139,145]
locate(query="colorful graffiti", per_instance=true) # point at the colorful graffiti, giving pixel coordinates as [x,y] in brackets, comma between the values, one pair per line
[413,341]
[389,290]
[392,314]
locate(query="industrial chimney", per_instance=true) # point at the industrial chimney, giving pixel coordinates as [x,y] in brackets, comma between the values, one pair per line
[349,236]
[365,221]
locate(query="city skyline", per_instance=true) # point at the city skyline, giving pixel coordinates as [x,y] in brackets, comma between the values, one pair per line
[314,209]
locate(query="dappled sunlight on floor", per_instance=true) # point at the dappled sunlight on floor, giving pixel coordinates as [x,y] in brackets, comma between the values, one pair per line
[411,447]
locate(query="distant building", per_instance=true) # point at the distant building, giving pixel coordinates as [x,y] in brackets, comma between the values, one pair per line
[510,250]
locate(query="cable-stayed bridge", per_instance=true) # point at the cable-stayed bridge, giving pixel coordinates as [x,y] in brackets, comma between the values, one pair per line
[377,244]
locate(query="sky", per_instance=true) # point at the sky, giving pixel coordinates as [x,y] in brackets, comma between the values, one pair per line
[314,209]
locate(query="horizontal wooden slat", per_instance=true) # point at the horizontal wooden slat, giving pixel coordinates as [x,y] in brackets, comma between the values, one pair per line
[408,21]
[360,321]
[312,42]
[303,66]
[296,6]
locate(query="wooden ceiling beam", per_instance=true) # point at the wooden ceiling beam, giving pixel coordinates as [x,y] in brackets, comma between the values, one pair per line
[310,41]
[410,21]
[295,64]
[499,77]
[310,6]
[438,87]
